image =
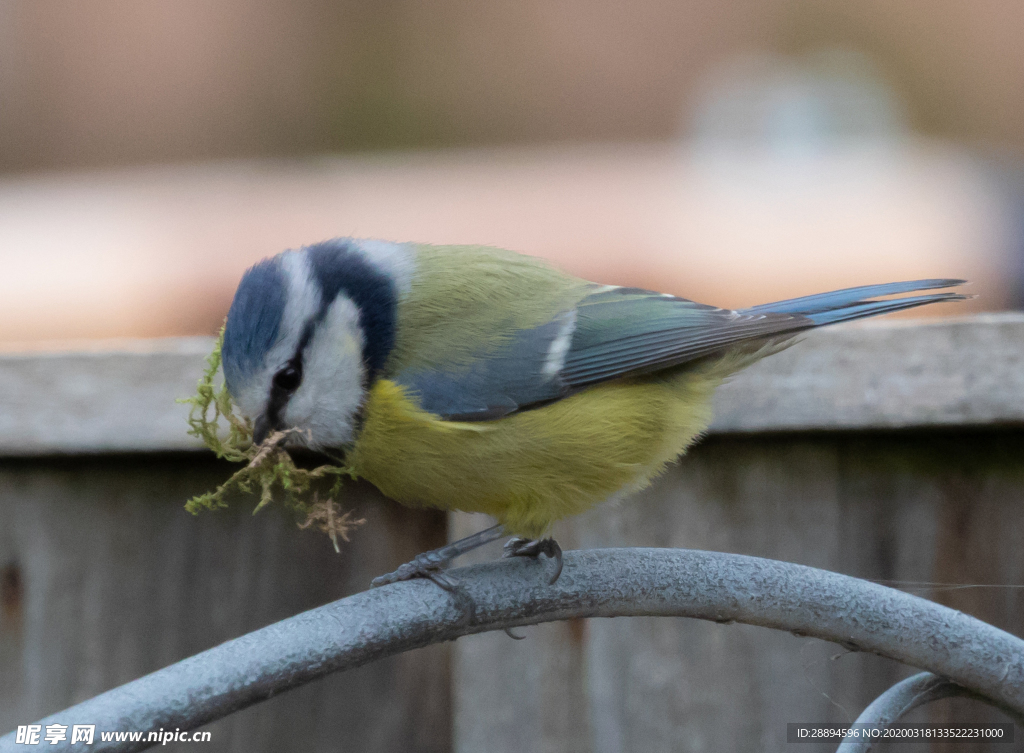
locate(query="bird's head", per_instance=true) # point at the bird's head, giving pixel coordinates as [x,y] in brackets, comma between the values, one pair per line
[307,333]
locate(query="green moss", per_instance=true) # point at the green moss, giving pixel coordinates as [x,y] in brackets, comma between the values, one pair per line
[269,470]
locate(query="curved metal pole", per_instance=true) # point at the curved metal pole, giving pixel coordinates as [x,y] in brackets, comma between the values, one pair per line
[595,583]
[900,700]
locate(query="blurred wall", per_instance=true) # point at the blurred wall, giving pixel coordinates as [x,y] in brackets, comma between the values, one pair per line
[958,65]
[117,81]
[154,251]
[788,145]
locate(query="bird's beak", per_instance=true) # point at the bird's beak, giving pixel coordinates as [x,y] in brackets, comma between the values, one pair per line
[260,429]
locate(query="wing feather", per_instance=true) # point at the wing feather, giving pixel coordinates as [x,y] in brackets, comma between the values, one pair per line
[614,333]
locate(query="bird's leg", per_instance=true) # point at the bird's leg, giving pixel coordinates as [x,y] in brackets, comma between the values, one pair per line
[431,564]
[534,547]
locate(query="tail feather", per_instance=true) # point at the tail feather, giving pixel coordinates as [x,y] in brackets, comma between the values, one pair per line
[857,297]
[872,308]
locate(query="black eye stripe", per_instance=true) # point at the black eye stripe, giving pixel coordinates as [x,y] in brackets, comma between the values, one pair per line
[289,378]
[286,381]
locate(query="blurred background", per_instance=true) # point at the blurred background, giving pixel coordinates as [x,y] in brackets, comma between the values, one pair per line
[725,150]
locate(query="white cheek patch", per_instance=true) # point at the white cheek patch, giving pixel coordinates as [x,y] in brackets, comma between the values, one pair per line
[326,403]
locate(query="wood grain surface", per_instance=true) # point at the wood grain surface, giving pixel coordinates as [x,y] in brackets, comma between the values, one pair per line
[906,509]
[115,580]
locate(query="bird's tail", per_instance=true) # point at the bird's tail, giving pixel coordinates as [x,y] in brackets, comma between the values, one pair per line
[856,303]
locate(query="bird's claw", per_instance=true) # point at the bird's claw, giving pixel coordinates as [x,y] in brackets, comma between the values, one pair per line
[421,566]
[433,563]
[518,547]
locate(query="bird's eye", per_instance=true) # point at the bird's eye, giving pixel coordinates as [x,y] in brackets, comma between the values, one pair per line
[288,378]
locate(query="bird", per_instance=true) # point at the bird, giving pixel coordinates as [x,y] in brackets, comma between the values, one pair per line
[472,378]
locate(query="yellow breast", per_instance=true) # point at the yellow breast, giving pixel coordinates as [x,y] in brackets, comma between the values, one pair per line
[532,468]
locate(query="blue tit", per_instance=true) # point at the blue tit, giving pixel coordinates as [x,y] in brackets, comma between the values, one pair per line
[476,379]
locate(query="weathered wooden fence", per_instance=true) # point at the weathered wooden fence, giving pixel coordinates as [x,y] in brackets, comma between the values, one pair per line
[887,451]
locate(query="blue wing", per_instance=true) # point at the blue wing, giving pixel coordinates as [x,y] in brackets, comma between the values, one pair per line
[620,332]
[499,381]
